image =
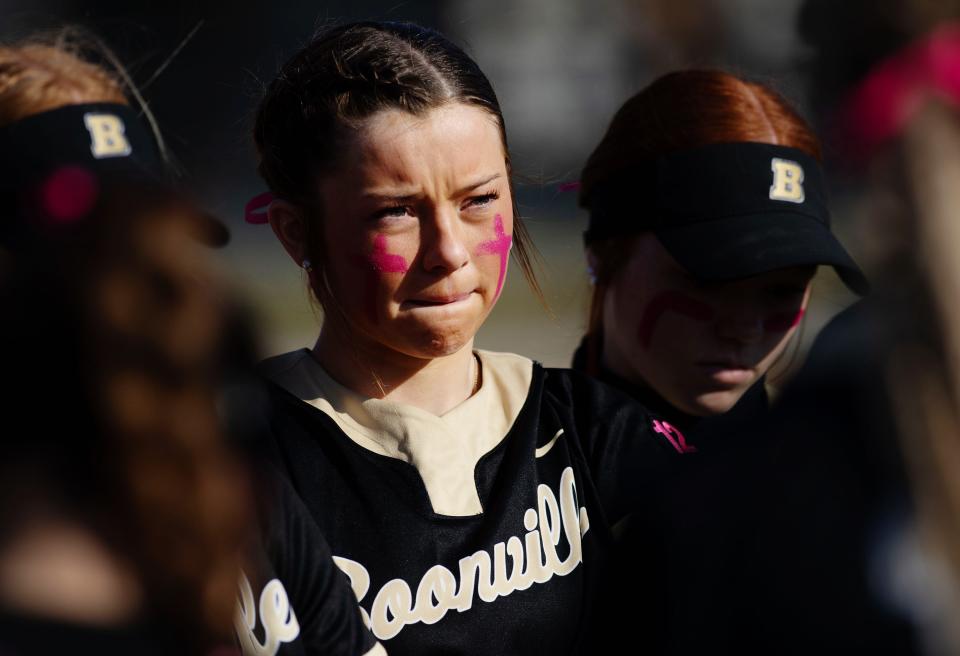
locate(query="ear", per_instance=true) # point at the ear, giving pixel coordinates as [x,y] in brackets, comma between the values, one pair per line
[287,221]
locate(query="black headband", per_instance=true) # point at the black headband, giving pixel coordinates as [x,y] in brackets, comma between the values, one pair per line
[59,160]
[705,184]
[107,139]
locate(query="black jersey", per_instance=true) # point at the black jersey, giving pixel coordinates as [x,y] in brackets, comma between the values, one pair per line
[696,530]
[293,600]
[511,564]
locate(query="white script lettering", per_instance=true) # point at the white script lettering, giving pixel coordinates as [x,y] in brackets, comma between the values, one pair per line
[279,622]
[534,559]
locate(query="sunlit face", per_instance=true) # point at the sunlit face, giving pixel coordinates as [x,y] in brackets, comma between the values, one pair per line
[698,345]
[418,221]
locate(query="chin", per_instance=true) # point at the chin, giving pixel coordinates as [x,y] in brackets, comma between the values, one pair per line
[438,343]
[439,337]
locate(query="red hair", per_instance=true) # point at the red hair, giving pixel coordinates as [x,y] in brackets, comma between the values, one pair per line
[680,111]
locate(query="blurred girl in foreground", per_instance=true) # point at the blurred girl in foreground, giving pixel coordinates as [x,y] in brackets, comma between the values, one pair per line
[118,517]
[124,515]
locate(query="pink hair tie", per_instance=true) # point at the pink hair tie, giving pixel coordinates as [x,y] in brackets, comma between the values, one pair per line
[256,209]
[895,89]
[569,186]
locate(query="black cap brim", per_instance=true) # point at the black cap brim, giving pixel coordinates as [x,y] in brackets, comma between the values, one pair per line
[752,244]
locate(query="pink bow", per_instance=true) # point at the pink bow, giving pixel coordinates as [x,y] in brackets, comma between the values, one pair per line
[255,210]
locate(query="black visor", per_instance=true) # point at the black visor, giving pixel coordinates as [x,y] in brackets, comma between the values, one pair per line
[54,165]
[727,211]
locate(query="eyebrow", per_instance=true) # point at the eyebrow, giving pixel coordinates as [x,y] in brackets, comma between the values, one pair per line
[400,195]
[479,183]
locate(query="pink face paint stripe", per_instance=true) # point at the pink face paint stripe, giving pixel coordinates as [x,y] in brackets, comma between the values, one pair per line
[499,246]
[372,265]
[385,262]
[784,321]
[671,301]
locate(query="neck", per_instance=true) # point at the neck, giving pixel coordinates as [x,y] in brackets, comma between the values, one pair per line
[436,385]
[615,372]
[617,369]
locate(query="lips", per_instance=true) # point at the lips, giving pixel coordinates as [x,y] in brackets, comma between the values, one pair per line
[727,372]
[436,301]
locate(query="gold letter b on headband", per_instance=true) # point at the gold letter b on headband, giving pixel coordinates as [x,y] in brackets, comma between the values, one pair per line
[787,181]
[107,135]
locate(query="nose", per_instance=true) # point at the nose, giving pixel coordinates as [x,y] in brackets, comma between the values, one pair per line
[444,250]
[741,322]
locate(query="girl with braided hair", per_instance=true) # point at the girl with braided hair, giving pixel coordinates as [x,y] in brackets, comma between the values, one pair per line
[468,495]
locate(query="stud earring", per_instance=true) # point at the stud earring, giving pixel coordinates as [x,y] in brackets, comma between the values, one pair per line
[591,274]
[307,265]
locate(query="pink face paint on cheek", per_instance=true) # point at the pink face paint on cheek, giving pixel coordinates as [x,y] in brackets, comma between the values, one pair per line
[783,321]
[385,262]
[373,265]
[500,245]
[671,301]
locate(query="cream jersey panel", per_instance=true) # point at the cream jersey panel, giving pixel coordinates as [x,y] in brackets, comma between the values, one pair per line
[443,449]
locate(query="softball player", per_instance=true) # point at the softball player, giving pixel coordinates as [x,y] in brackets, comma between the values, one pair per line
[708,218]
[467,495]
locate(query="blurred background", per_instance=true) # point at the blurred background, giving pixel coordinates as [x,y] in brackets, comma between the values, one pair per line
[561,69]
